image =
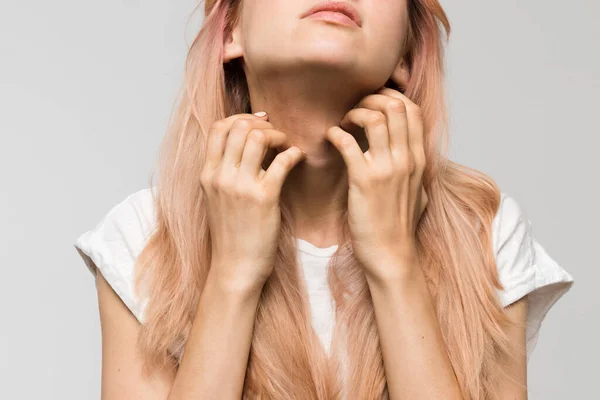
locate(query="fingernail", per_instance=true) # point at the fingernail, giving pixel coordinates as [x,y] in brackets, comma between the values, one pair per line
[260,113]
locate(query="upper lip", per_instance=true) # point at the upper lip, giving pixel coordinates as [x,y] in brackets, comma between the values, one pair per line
[338,6]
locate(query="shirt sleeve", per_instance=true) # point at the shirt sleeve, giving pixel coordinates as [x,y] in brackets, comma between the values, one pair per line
[114,244]
[525,268]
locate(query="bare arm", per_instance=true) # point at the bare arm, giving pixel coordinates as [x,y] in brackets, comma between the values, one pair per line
[514,386]
[411,341]
[414,351]
[121,365]
[216,355]
[242,201]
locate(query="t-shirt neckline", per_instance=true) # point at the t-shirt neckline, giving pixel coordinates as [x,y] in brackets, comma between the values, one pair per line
[309,248]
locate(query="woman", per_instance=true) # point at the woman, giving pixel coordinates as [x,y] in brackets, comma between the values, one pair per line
[366,266]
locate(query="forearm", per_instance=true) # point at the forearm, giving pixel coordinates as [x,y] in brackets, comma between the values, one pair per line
[216,355]
[416,361]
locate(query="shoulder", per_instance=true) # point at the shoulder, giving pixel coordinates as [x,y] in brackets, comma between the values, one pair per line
[114,243]
[509,217]
[524,266]
[511,237]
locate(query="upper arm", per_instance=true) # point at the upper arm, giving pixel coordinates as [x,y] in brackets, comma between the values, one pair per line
[121,365]
[110,251]
[514,384]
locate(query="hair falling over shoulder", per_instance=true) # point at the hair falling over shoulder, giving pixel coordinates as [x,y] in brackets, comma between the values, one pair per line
[286,359]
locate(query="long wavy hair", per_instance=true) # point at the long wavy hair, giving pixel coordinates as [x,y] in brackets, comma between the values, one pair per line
[286,359]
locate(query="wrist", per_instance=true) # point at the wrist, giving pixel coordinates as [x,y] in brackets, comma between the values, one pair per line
[236,287]
[395,274]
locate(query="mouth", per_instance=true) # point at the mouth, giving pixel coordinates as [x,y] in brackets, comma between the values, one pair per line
[337,11]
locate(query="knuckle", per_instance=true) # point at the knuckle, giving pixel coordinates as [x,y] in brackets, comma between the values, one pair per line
[347,141]
[217,185]
[406,164]
[381,174]
[258,136]
[205,179]
[396,105]
[217,126]
[223,184]
[241,124]
[376,118]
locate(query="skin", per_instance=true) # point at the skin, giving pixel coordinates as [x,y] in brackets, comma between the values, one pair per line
[307,74]
[320,84]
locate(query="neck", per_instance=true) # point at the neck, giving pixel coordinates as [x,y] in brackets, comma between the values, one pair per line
[304,107]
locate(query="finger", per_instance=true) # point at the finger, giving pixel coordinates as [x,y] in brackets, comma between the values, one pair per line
[397,122]
[236,140]
[424,199]
[415,123]
[375,126]
[351,152]
[217,137]
[281,166]
[257,144]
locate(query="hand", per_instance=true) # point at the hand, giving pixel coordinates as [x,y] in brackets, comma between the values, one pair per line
[243,199]
[386,198]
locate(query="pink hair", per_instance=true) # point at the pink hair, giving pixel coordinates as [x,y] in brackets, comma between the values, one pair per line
[286,358]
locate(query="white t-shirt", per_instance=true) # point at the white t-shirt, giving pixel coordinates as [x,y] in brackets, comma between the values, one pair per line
[523,265]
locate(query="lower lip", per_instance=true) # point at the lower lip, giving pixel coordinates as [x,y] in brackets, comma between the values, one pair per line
[333,16]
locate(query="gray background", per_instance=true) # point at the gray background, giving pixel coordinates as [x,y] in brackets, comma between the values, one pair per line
[86,89]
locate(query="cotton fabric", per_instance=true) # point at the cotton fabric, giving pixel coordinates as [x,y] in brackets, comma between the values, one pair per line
[524,266]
